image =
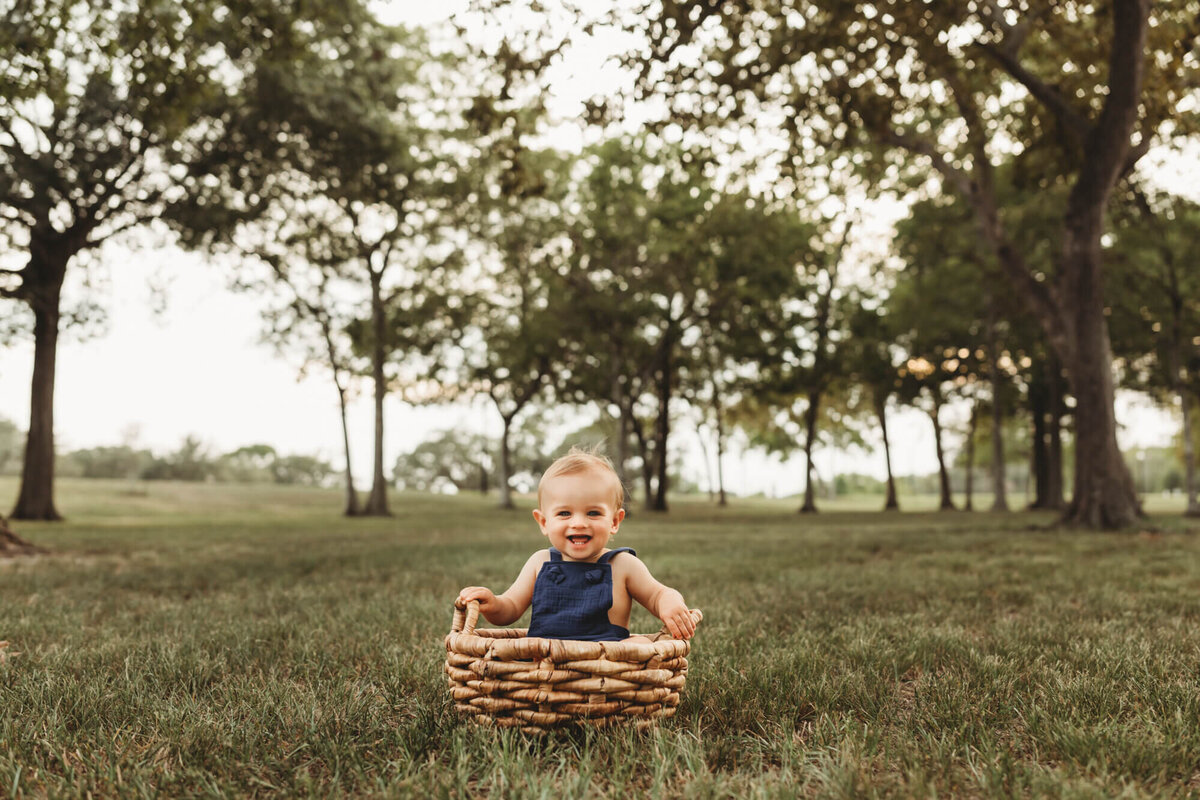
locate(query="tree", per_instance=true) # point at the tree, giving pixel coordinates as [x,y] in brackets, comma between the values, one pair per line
[760,248]
[351,214]
[632,286]
[10,436]
[1155,315]
[950,86]
[515,210]
[112,113]
[13,545]
[312,314]
[816,362]
[869,354]
[193,461]
[462,459]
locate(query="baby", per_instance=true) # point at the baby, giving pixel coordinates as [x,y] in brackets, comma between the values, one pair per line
[580,589]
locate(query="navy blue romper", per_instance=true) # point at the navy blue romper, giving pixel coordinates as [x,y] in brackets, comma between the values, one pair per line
[571,599]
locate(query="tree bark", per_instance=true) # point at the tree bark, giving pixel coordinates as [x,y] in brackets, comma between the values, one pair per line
[810,431]
[12,545]
[621,446]
[999,478]
[1039,461]
[708,470]
[647,462]
[947,499]
[722,498]
[1175,364]
[972,424]
[35,499]
[1055,494]
[352,509]
[891,503]
[506,500]
[663,428]
[1104,492]
[377,502]
[1189,460]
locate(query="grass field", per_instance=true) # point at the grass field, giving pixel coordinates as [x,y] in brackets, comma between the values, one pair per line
[224,641]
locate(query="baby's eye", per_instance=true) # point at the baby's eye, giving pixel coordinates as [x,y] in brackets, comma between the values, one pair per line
[564,513]
[594,514]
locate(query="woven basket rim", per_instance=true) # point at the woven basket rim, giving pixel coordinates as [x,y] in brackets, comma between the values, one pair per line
[516,645]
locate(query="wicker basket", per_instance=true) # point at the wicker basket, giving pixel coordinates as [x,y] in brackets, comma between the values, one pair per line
[502,677]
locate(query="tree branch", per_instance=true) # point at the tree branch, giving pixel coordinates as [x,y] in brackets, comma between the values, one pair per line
[1107,148]
[102,192]
[50,176]
[18,293]
[135,221]
[924,147]
[1046,94]
[1135,154]
[984,172]
[23,215]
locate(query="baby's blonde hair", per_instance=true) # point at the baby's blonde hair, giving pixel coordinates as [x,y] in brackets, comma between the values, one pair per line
[579,460]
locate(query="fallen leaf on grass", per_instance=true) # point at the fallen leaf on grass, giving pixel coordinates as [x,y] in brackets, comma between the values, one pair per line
[5,653]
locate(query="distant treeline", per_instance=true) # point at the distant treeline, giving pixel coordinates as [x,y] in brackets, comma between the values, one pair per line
[192,461]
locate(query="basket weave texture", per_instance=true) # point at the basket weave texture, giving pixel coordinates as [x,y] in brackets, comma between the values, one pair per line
[501,677]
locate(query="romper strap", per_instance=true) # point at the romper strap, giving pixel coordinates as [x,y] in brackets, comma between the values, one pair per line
[555,555]
[607,557]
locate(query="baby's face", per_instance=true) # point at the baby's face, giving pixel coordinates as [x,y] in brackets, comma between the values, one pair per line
[579,514]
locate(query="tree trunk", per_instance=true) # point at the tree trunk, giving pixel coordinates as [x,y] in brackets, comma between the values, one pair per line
[351,495]
[505,463]
[722,499]
[947,500]
[972,424]
[1039,412]
[810,432]
[1177,384]
[352,509]
[663,431]
[999,478]
[1189,459]
[377,502]
[708,471]
[1055,495]
[35,500]
[891,503]
[1104,492]
[12,545]
[621,452]
[647,463]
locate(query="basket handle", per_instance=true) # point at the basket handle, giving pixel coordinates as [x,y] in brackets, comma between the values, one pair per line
[663,633]
[465,618]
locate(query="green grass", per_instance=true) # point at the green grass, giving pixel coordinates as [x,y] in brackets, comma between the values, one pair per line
[199,640]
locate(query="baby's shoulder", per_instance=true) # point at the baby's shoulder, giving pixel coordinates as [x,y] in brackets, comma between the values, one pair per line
[625,560]
[538,558]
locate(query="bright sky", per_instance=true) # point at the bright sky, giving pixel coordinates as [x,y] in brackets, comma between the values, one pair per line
[198,369]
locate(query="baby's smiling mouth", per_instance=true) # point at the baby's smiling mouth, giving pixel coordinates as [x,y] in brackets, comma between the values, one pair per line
[579,538]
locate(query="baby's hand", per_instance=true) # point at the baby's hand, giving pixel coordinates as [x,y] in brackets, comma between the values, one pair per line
[484,595]
[677,617]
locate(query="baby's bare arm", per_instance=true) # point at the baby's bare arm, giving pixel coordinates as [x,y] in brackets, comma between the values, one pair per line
[662,601]
[508,607]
